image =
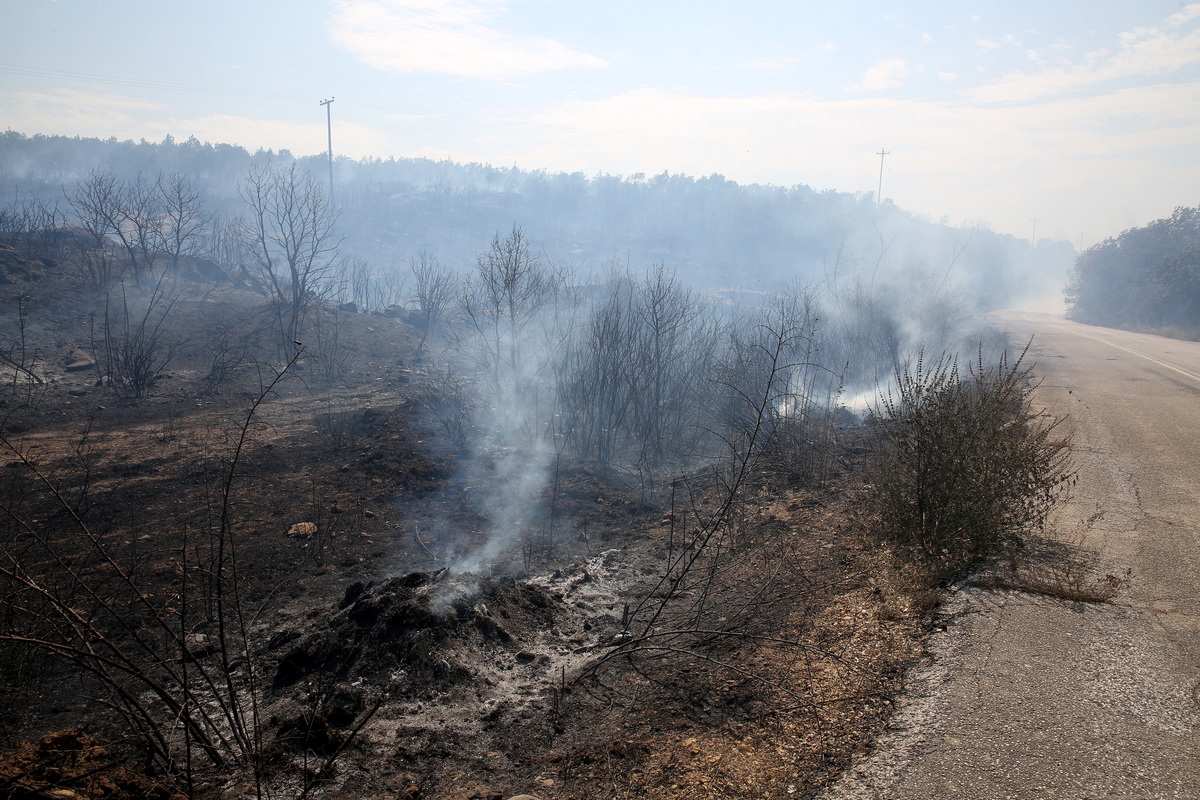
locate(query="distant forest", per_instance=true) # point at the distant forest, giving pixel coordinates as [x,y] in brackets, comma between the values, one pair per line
[1145,279]
[714,233]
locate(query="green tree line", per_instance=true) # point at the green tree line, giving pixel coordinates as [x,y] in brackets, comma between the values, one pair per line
[1145,279]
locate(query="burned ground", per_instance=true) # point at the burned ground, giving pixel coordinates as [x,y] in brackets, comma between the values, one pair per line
[382,672]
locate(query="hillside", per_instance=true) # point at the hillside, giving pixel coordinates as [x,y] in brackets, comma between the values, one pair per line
[715,233]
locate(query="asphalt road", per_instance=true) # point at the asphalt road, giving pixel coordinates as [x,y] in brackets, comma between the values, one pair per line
[1023,696]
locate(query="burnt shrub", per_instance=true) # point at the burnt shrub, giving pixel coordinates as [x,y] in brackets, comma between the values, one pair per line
[963,467]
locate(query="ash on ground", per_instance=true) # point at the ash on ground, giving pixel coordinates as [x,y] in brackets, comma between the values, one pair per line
[438,660]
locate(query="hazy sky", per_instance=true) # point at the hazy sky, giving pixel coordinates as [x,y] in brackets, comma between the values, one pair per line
[1084,115]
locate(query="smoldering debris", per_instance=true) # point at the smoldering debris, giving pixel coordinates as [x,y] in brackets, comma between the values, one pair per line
[422,636]
[406,630]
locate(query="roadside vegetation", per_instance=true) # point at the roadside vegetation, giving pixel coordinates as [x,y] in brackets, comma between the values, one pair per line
[963,467]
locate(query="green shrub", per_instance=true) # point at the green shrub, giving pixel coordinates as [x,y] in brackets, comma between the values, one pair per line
[962,467]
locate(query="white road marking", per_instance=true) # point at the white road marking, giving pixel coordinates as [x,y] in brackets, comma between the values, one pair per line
[1171,367]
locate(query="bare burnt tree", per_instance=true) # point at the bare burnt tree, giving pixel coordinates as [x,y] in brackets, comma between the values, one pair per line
[669,357]
[33,226]
[223,241]
[334,349]
[631,379]
[137,347]
[183,218]
[94,202]
[510,286]
[433,294]
[355,287]
[387,287]
[138,224]
[724,576]
[129,213]
[291,235]
[20,355]
[801,428]
[597,377]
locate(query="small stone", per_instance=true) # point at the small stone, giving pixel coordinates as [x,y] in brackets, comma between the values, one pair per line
[305,529]
[79,360]
[199,645]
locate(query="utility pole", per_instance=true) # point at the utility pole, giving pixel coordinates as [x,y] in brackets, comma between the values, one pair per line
[1081,233]
[879,196]
[1035,231]
[329,129]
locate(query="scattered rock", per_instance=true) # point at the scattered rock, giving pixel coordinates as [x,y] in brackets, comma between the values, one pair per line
[78,361]
[305,529]
[204,270]
[199,645]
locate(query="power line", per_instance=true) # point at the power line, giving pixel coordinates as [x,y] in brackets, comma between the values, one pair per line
[329,129]
[879,196]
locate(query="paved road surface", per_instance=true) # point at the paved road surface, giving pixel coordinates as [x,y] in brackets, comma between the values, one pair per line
[1023,696]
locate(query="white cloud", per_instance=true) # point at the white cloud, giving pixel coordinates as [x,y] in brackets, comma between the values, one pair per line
[1071,155]
[884,75]
[1189,12]
[775,64]
[83,113]
[452,37]
[1143,53]
[86,101]
[1007,41]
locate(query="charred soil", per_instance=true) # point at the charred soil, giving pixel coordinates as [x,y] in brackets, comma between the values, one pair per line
[384,671]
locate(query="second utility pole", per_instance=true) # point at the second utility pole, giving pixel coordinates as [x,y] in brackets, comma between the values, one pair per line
[879,197]
[329,127]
